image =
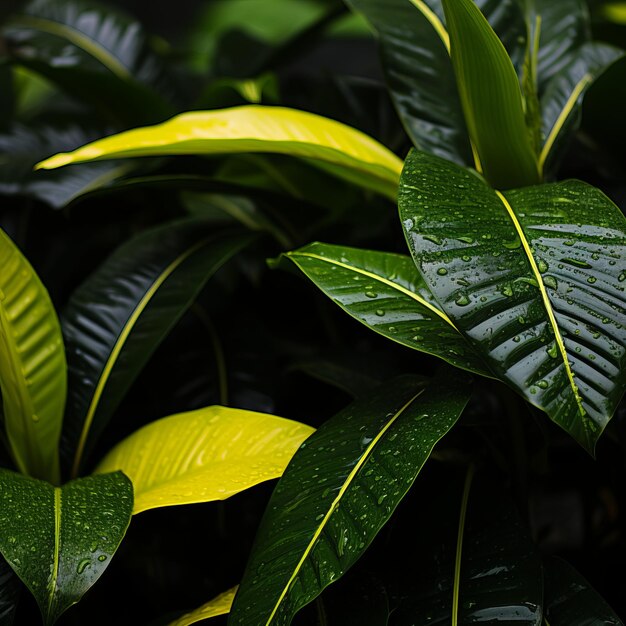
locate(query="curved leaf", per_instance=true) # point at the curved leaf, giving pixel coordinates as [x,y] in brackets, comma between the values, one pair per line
[339,490]
[253,129]
[491,98]
[116,319]
[204,455]
[477,561]
[533,278]
[414,47]
[33,374]
[570,600]
[220,605]
[93,51]
[10,591]
[59,540]
[385,292]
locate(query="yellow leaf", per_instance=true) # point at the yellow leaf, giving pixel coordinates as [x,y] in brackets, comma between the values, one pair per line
[204,455]
[220,605]
[348,152]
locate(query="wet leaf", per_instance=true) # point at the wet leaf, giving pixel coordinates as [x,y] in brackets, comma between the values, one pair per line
[534,280]
[220,605]
[339,490]
[59,540]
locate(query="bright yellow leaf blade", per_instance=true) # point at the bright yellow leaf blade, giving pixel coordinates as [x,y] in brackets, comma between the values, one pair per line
[350,153]
[204,455]
[220,605]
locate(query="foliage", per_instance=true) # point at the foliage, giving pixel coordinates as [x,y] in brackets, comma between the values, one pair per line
[187,218]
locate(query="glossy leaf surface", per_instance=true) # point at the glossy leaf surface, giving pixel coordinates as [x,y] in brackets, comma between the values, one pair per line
[491,98]
[339,490]
[220,605]
[33,375]
[570,600]
[533,278]
[414,46]
[93,52]
[478,563]
[59,540]
[120,314]
[204,455]
[244,129]
[385,292]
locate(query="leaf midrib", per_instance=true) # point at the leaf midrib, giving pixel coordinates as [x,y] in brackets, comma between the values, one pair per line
[57,549]
[119,344]
[546,301]
[348,482]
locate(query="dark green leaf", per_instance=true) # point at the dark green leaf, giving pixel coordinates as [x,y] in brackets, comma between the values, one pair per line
[59,540]
[413,45]
[24,146]
[10,589]
[570,600]
[477,562]
[93,52]
[385,292]
[491,98]
[118,317]
[534,279]
[339,490]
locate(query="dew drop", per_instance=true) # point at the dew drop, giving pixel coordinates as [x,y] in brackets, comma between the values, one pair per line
[379,312]
[442,271]
[542,266]
[462,300]
[83,565]
[542,384]
[553,351]
[371,294]
[591,280]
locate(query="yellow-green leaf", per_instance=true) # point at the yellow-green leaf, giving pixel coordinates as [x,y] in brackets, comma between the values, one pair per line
[252,128]
[204,455]
[220,605]
[33,376]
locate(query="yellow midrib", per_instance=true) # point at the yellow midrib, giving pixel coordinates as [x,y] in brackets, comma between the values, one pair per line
[57,548]
[435,22]
[119,344]
[336,502]
[546,301]
[380,279]
[79,39]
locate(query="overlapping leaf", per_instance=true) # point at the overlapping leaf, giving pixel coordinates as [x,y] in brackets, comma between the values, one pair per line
[118,317]
[220,605]
[348,152]
[339,490]
[385,292]
[533,278]
[33,374]
[204,455]
[59,540]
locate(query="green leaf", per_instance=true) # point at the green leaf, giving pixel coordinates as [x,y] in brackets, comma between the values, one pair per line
[59,540]
[339,490]
[254,129]
[477,561]
[491,98]
[116,319]
[25,145]
[204,455]
[563,97]
[93,52]
[10,591]
[33,374]
[220,605]
[570,600]
[534,280]
[414,47]
[386,293]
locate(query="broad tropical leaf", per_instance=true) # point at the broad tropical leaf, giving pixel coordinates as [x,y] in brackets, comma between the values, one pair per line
[570,600]
[94,52]
[59,540]
[33,376]
[385,292]
[491,98]
[220,605]
[477,561]
[339,490]
[414,46]
[252,128]
[533,278]
[120,314]
[204,455]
